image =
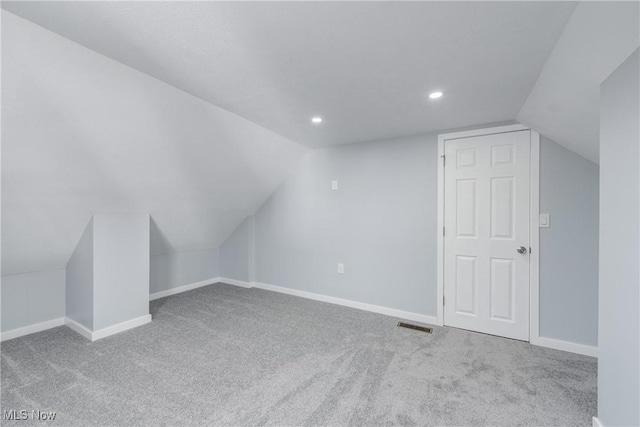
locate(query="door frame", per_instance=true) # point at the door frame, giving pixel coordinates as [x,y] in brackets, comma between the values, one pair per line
[534,215]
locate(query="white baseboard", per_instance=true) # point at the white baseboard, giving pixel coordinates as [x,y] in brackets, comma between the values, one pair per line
[432,320]
[77,327]
[422,318]
[235,282]
[190,286]
[183,288]
[111,330]
[571,347]
[82,330]
[31,329]
[309,295]
[121,327]
[597,423]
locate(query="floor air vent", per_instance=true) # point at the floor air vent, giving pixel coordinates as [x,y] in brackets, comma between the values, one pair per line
[415,327]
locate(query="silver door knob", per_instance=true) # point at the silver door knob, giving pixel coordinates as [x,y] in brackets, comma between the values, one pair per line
[521,250]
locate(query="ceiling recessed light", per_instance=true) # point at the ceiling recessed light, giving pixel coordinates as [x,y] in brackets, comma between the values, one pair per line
[435,95]
[316,119]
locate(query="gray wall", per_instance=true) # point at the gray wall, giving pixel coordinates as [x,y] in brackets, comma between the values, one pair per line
[32,298]
[79,280]
[382,224]
[120,268]
[183,268]
[619,327]
[569,248]
[235,253]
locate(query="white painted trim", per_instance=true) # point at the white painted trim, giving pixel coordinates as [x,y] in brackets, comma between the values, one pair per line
[31,329]
[534,239]
[108,331]
[571,347]
[190,286]
[597,422]
[77,327]
[479,132]
[533,216]
[234,282]
[309,295]
[440,239]
[121,327]
[82,330]
[184,288]
[102,333]
[422,318]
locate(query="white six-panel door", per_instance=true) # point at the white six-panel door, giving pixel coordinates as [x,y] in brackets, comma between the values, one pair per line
[486,236]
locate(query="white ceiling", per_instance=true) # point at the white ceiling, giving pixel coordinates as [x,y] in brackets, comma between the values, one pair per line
[366,67]
[84,134]
[564,105]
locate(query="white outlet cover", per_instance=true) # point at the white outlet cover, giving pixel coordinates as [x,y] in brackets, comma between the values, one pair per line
[340,268]
[334,184]
[544,221]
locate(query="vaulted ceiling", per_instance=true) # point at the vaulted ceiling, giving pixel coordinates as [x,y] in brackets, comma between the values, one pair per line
[83,134]
[564,104]
[366,67]
[196,111]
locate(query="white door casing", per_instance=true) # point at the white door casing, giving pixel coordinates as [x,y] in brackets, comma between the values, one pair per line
[486,220]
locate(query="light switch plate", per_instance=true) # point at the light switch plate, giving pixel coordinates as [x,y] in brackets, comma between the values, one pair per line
[544,221]
[334,184]
[340,268]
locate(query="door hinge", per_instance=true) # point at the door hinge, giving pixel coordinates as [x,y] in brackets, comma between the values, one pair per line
[529,249]
[443,231]
[443,159]
[443,300]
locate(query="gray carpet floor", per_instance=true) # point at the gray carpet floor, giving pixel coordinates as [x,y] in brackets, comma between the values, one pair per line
[222,355]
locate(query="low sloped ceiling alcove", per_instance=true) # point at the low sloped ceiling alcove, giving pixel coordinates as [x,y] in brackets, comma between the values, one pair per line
[84,134]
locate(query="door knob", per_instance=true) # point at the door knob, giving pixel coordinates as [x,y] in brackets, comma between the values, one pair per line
[521,250]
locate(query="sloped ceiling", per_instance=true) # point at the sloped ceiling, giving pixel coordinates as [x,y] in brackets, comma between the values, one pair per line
[366,67]
[564,104]
[114,129]
[84,134]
